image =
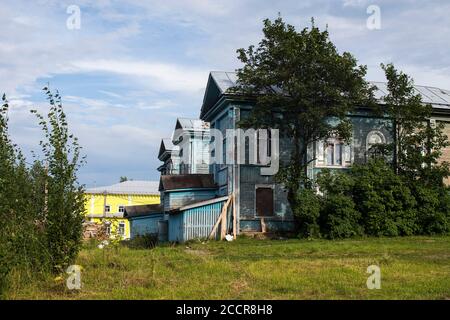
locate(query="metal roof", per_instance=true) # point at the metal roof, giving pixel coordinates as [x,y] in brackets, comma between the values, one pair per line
[438,98]
[137,187]
[224,79]
[168,145]
[191,124]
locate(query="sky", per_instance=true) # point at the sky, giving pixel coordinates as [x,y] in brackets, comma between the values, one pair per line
[129,68]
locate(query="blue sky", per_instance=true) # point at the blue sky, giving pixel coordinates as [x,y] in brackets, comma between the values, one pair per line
[134,66]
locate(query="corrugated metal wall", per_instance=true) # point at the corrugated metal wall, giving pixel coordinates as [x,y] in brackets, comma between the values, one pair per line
[194,223]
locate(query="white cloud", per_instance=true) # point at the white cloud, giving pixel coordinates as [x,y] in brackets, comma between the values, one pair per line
[165,77]
[148,61]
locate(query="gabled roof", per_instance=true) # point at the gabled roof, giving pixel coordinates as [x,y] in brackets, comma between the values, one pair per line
[186,181]
[224,79]
[128,187]
[219,83]
[166,146]
[191,124]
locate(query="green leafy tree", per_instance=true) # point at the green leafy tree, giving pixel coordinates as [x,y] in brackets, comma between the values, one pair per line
[7,160]
[302,86]
[123,179]
[21,238]
[64,204]
[417,145]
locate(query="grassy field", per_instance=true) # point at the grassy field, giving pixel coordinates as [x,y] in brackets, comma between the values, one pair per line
[411,268]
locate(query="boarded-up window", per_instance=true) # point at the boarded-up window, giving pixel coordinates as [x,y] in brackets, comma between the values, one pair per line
[264,201]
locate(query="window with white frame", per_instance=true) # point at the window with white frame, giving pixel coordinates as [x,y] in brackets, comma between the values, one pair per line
[333,153]
[121,209]
[121,229]
[107,208]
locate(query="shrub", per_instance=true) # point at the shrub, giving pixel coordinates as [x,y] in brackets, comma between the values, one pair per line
[146,241]
[433,209]
[371,199]
[307,212]
[335,182]
[41,207]
[384,200]
[339,217]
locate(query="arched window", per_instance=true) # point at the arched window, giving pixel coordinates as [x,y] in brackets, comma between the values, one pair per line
[374,138]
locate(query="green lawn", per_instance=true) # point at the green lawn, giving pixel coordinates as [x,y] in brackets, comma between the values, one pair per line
[411,268]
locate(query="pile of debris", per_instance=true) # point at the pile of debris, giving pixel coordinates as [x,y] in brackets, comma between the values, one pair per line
[92,230]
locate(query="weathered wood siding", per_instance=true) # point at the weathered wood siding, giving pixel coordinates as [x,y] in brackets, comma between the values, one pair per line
[175,199]
[145,224]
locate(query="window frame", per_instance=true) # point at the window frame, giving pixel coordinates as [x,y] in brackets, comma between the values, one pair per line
[344,152]
[121,226]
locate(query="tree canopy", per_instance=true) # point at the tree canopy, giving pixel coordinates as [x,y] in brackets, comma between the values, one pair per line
[302,86]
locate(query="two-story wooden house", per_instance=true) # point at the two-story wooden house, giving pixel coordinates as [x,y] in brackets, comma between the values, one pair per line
[257,194]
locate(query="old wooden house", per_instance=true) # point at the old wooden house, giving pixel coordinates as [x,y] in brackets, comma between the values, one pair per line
[257,195]
[196,188]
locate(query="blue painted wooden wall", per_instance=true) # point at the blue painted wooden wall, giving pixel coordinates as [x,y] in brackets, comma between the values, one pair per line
[194,223]
[145,224]
[174,199]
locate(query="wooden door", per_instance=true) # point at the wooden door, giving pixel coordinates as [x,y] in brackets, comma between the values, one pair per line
[264,201]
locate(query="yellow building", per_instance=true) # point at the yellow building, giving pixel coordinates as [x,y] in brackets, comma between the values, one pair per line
[107,204]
